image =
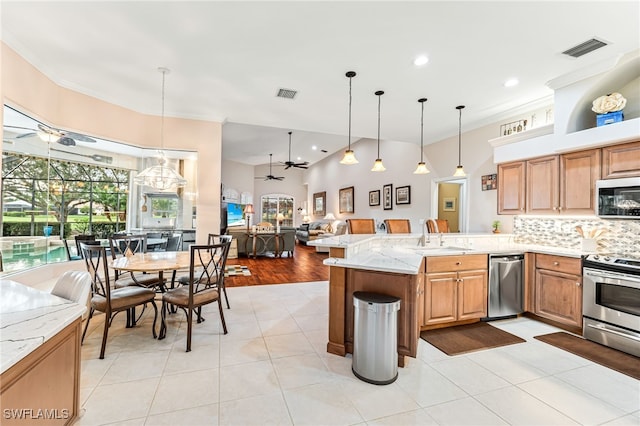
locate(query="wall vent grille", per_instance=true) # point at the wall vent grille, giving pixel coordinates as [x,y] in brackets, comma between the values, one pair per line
[584,48]
[287,93]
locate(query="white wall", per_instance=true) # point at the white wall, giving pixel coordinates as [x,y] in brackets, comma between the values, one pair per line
[400,160]
[238,177]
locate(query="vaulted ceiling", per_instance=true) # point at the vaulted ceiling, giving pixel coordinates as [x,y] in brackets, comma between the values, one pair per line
[229,59]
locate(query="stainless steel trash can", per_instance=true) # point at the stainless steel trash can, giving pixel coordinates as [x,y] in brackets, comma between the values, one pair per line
[375,337]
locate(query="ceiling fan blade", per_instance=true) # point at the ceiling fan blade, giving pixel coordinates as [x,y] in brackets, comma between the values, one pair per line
[95,157]
[66,141]
[79,137]
[26,135]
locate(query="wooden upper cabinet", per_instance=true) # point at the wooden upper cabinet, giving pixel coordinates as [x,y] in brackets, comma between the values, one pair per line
[578,174]
[511,188]
[542,185]
[621,161]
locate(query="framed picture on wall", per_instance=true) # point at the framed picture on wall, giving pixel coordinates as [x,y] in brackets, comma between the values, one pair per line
[387,197]
[345,199]
[319,203]
[403,195]
[490,182]
[449,204]
[374,198]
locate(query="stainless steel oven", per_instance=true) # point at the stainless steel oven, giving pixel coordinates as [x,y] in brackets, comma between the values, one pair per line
[611,301]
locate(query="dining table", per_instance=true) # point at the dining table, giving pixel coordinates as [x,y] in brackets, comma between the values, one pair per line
[152,262]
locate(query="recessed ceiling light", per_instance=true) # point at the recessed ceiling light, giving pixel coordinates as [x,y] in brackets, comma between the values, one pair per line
[511,82]
[314,147]
[420,60]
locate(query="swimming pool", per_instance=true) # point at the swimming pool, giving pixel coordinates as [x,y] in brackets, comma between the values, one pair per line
[18,261]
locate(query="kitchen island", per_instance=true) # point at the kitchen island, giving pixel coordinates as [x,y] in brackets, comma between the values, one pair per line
[40,363]
[441,280]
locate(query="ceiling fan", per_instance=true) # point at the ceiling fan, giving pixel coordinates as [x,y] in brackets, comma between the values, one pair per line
[62,137]
[270,176]
[302,165]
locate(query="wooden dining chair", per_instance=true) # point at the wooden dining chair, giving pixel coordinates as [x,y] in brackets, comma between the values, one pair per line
[361,226]
[206,275]
[436,226]
[126,245]
[112,301]
[398,226]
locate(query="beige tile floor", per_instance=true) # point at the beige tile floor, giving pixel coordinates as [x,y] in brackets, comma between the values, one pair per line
[272,368]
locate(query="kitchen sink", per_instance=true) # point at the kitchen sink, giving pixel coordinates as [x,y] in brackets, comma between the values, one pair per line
[439,250]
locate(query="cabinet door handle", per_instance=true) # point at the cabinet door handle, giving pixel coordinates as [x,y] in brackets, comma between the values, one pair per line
[556,263]
[560,208]
[578,284]
[458,263]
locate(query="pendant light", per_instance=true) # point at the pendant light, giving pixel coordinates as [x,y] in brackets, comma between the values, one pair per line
[378,166]
[459,170]
[422,167]
[349,156]
[160,176]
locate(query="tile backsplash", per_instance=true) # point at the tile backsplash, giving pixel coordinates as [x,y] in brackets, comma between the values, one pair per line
[619,236]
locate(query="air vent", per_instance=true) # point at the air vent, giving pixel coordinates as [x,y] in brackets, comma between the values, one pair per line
[287,93]
[584,48]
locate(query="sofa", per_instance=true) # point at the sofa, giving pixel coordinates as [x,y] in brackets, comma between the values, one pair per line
[245,247]
[311,231]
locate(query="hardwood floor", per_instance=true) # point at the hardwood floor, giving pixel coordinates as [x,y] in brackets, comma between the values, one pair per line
[305,265]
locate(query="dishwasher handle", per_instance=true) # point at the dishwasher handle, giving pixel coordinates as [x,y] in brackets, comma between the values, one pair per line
[507,259]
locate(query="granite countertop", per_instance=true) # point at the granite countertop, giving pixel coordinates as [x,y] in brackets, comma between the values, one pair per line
[28,318]
[403,253]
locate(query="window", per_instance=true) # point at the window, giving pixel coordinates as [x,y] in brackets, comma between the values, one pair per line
[45,197]
[274,204]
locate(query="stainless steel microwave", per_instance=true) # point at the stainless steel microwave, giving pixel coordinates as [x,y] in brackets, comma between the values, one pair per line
[618,198]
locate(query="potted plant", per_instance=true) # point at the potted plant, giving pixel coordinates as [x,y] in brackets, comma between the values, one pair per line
[496,226]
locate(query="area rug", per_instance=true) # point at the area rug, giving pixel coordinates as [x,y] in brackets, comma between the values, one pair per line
[463,339]
[603,355]
[234,270]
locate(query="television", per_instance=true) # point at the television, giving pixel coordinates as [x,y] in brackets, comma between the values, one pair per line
[235,215]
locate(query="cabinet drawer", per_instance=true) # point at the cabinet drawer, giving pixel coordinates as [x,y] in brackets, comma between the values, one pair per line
[456,263]
[568,265]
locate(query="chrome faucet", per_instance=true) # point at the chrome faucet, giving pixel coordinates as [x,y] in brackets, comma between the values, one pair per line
[425,238]
[440,240]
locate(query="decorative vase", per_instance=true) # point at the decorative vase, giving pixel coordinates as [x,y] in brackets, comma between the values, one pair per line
[47,230]
[496,231]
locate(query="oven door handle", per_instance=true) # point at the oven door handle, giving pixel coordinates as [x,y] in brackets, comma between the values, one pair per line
[602,327]
[613,275]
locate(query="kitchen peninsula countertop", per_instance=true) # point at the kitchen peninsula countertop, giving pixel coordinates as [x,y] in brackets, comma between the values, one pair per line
[28,318]
[403,253]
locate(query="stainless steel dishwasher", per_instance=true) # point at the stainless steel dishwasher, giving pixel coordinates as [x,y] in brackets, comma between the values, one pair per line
[506,282]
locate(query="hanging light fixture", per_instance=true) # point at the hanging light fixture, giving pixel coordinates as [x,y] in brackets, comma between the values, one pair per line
[422,167]
[349,156]
[459,170]
[378,166]
[161,176]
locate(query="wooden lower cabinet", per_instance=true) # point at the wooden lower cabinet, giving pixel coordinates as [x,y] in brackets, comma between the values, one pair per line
[472,294]
[441,298]
[44,387]
[558,289]
[403,286]
[559,297]
[458,295]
